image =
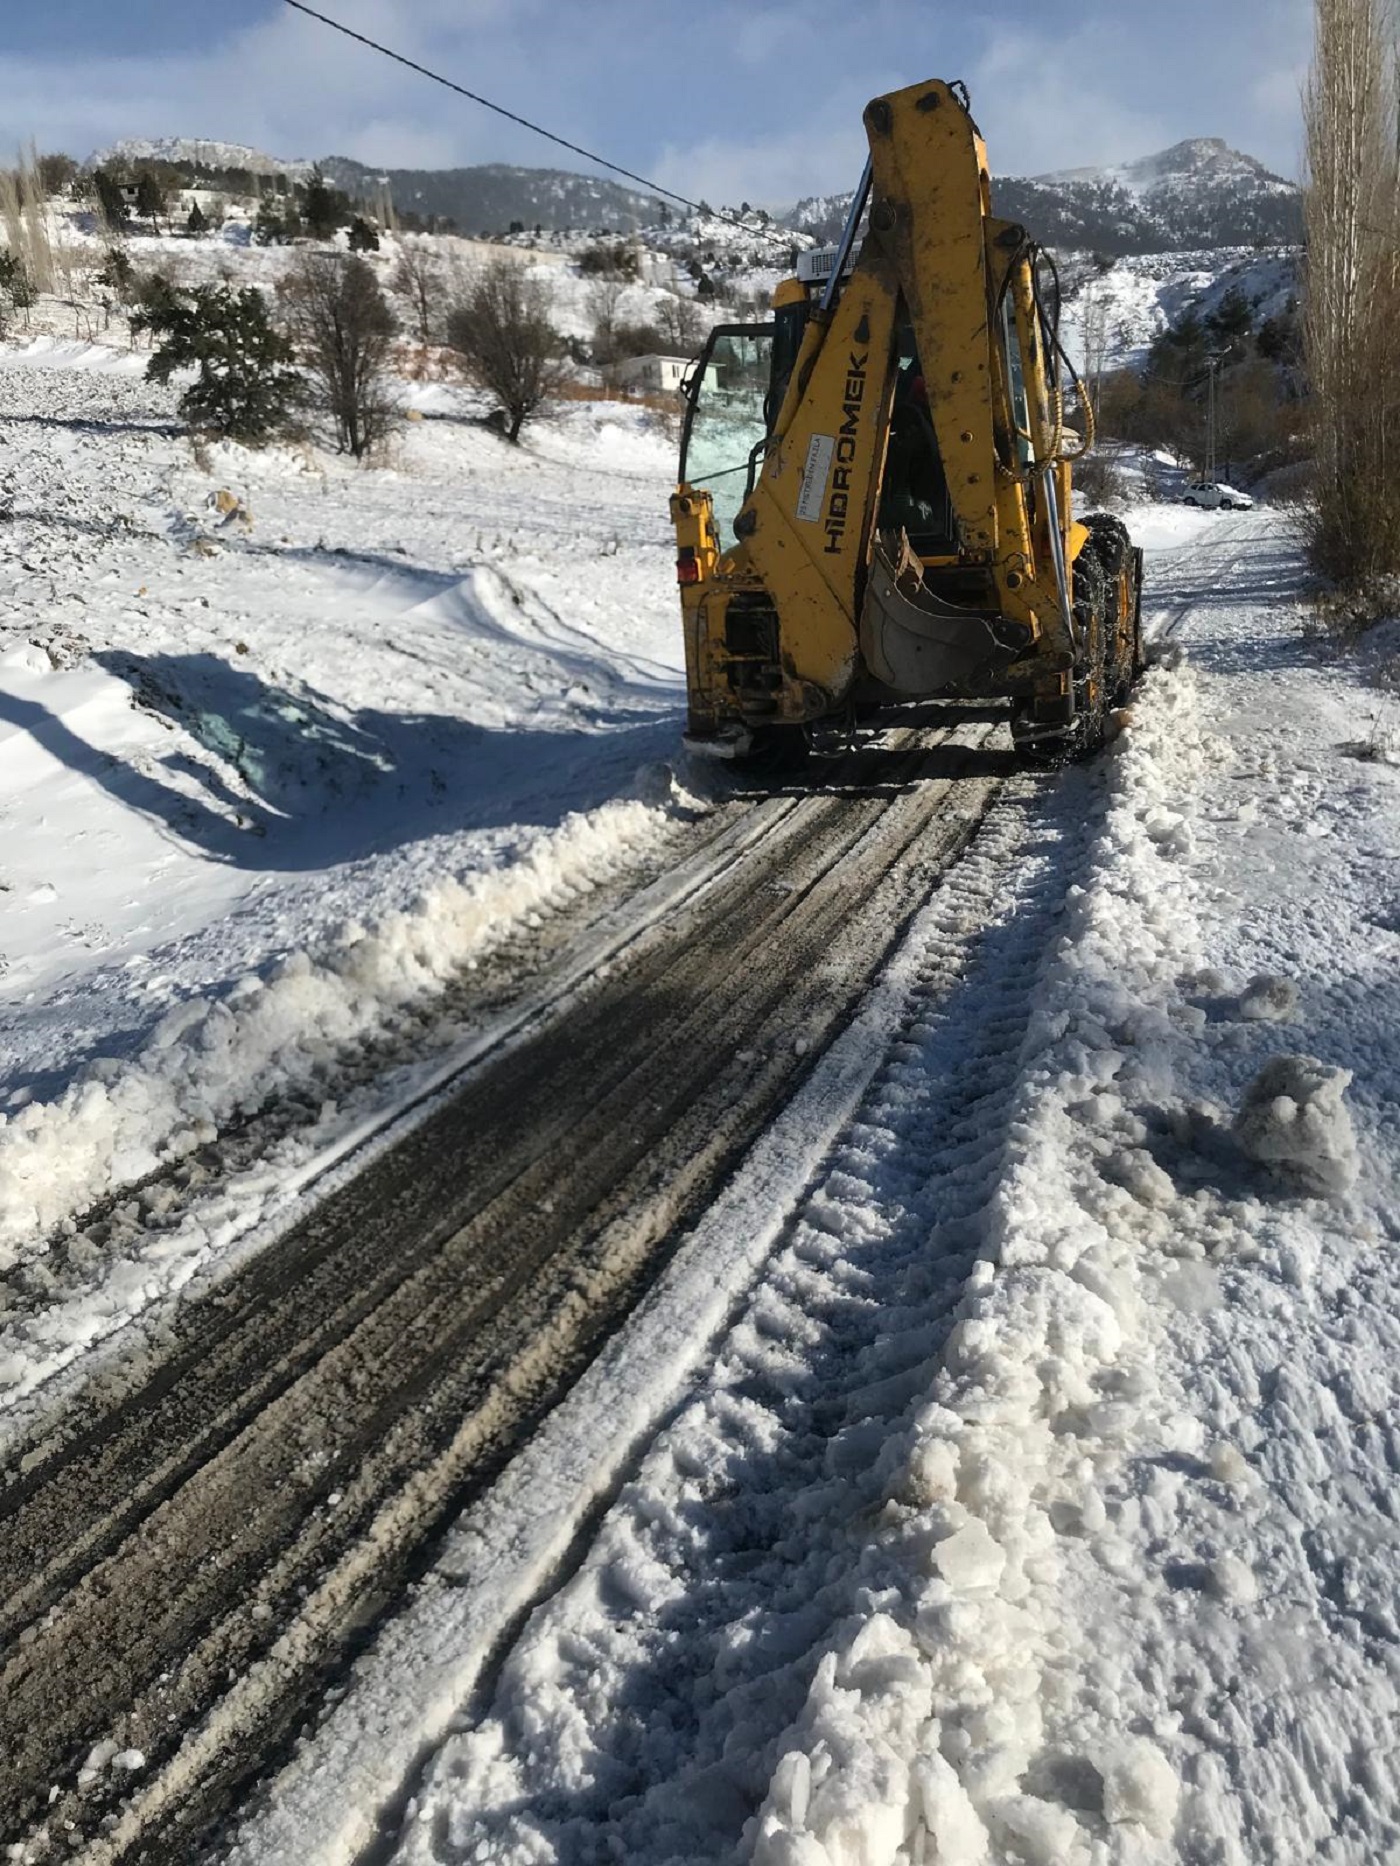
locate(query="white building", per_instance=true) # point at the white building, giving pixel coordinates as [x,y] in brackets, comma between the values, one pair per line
[654,375]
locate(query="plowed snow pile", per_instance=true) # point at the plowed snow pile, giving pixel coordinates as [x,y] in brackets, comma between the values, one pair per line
[1038,1503]
[284,746]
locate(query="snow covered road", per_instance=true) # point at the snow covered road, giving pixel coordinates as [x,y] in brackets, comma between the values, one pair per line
[1002,1470]
[1038,1503]
[186,1548]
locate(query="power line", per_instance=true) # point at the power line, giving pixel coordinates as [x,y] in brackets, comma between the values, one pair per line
[501,111]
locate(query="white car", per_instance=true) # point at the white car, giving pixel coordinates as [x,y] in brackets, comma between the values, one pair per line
[1215,496]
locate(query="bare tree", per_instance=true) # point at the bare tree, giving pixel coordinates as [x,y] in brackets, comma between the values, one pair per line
[501,329]
[604,300]
[1093,309]
[420,279]
[1352,317]
[343,330]
[681,321]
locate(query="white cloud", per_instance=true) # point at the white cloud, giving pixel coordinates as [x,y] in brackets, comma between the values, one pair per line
[760,101]
[291,86]
[771,173]
[1275,99]
[1083,116]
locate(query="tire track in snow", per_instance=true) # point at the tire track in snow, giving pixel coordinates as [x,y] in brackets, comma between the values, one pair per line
[643,1712]
[269,1486]
[1185,588]
[822,1622]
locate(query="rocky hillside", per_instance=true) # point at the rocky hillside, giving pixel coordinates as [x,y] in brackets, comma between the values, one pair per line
[198,154]
[485,199]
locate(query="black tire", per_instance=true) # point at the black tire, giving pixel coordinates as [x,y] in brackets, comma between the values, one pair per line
[1123,658]
[1084,736]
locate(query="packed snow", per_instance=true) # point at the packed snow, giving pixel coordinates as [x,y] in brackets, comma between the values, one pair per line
[1036,1505]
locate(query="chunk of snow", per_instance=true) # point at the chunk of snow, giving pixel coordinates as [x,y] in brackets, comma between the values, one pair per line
[1139,1174]
[1269,1000]
[957,1833]
[971,1558]
[1228,1465]
[1140,1785]
[1294,1118]
[1038,1832]
[1233,1580]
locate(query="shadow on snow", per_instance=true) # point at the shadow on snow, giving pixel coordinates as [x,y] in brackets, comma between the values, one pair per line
[292,782]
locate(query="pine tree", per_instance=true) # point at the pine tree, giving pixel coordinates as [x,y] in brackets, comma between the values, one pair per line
[270,229]
[1232,322]
[246,389]
[110,199]
[117,273]
[150,197]
[15,282]
[363,237]
[198,221]
[323,209]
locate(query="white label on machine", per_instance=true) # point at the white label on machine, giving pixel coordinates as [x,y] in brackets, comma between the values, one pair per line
[821,450]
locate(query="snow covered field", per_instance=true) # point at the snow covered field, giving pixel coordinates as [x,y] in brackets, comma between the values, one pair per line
[1036,1502]
[283,745]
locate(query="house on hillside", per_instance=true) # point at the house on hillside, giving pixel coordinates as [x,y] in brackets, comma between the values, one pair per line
[657,374]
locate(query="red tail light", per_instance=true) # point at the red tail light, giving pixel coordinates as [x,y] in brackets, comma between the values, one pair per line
[687,570]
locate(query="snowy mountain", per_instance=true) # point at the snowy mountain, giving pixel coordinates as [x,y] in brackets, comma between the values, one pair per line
[198,153]
[1199,194]
[488,198]
[1200,161]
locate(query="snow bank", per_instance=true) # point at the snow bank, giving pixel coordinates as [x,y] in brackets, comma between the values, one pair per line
[931,1727]
[217,1057]
[76,353]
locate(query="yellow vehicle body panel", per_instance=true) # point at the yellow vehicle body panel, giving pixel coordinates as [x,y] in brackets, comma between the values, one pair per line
[811,603]
[812,505]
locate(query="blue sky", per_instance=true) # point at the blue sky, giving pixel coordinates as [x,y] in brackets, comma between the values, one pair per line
[729,100]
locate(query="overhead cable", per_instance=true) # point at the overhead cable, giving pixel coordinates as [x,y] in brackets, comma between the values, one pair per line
[512,116]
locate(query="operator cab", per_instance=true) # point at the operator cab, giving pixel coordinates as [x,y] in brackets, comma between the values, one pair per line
[735,391]
[727,419]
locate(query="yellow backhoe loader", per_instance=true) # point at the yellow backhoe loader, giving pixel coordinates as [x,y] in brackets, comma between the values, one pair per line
[875,486]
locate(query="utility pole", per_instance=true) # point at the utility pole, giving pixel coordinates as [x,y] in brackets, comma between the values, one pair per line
[1212,368]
